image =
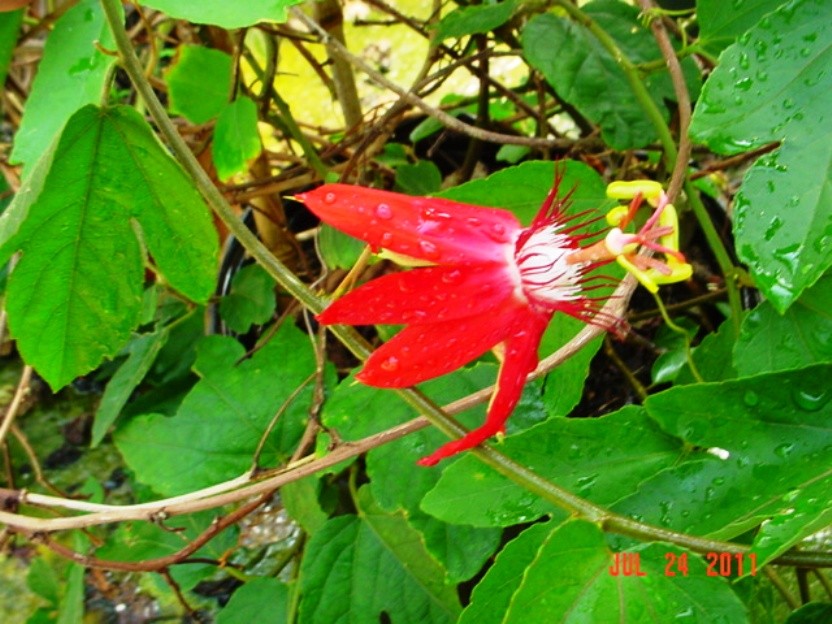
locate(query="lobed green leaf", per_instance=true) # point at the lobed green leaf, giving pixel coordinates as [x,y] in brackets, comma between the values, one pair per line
[357,567]
[772,446]
[562,573]
[105,190]
[262,600]
[214,434]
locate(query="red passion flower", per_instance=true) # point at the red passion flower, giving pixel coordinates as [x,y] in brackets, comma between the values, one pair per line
[490,283]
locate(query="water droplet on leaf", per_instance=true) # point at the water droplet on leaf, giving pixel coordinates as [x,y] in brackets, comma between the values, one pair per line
[809,400]
[784,450]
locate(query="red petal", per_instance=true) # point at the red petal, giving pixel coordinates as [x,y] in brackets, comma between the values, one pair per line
[426,295]
[432,229]
[422,352]
[520,360]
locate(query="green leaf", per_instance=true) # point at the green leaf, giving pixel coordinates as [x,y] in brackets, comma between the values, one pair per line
[800,337]
[105,189]
[775,442]
[720,22]
[223,13]
[43,580]
[564,386]
[775,87]
[71,607]
[397,482]
[236,138]
[251,300]
[9,30]
[512,154]
[811,613]
[262,600]
[563,574]
[338,250]
[523,188]
[713,356]
[492,595]
[73,73]
[358,567]
[142,353]
[217,428]
[584,74]
[674,356]
[198,83]
[472,20]
[599,459]
[301,501]
[422,178]
[462,549]
[808,513]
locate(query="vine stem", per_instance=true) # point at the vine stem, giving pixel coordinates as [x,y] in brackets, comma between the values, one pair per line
[8,417]
[504,465]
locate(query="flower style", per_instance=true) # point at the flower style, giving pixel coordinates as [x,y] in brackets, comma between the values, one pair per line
[490,282]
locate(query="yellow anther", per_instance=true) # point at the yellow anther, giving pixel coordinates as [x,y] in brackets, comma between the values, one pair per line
[617,215]
[641,275]
[672,267]
[670,219]
[679,272]
[628,189]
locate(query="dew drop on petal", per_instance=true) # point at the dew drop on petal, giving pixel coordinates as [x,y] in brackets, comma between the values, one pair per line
[429,250]
[474,221]
[383,211]
[452,277]
[497,233]
[329,198]
[386,239]
[391,364]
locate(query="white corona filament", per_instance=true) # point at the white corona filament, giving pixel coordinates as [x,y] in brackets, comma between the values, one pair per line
[544,271]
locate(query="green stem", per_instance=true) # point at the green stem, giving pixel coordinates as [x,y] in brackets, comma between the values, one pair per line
[515,472]
[680,330]
[648,105]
